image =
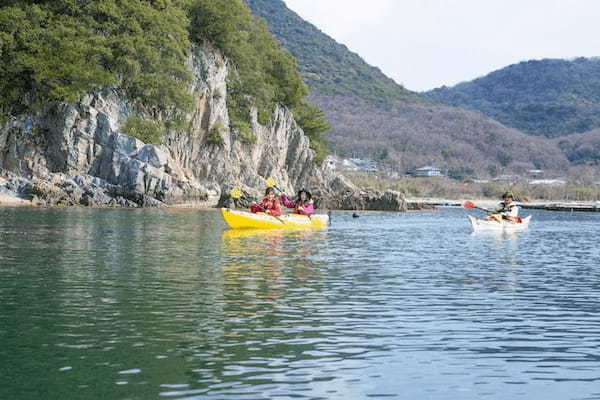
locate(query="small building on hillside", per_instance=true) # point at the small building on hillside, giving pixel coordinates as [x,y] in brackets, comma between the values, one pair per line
[536,173]
[351,164]
[426,171]
[365,164]
[511,179]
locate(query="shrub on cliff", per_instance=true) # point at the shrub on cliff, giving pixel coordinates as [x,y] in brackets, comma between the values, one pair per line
[265,75]
[312,120]
[265,71]
[145,130]
[59,50]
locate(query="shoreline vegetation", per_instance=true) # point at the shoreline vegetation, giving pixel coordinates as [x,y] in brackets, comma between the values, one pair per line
[441,188]
[441,191]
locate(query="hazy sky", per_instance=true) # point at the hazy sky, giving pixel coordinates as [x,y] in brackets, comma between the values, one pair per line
[424,44]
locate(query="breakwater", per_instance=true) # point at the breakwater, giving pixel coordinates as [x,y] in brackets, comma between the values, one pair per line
[570,207]
[537,205]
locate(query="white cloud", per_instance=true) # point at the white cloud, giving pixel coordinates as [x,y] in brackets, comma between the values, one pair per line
[429,43]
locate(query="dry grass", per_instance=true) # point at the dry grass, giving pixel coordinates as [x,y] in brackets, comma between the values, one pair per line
[450,189]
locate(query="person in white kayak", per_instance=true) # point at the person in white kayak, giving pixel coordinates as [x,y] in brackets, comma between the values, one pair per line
[507,210]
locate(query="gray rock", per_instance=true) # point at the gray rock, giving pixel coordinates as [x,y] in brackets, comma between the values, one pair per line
[152,155]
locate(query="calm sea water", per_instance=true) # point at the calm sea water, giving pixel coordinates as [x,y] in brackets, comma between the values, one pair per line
[148,304]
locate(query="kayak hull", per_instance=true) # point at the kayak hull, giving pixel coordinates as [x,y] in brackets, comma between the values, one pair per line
[245,220]
[507,226]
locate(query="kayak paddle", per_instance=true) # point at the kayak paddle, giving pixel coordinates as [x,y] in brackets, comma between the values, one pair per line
[470,204]
[270,181]
[265,211]
[235,193]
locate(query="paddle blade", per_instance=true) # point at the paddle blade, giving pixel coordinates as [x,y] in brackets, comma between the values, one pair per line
[469,204]
[270,181]
[235,193]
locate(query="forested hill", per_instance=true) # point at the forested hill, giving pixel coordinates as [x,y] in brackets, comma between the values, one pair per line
[60,50]
[328,67]
[548,98]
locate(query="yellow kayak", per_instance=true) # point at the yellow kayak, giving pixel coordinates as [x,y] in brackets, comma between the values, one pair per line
[246,220]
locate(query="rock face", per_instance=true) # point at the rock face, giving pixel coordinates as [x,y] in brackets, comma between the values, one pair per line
[75,154]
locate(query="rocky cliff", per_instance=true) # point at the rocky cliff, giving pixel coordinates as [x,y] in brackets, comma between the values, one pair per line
[76,154]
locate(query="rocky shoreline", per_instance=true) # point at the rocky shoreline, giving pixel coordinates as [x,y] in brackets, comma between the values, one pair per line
[63,190]
[78,155]
[88,192]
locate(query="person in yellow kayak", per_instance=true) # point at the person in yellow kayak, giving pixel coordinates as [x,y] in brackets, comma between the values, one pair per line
[269,204]
[303,204]
[507,210]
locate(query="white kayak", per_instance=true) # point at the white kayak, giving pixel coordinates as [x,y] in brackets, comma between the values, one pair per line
[494,225]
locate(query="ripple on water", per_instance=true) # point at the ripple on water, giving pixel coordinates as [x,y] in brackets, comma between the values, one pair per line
[165,303]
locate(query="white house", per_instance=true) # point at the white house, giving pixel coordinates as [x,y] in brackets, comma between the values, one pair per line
[506,178]
[535,172]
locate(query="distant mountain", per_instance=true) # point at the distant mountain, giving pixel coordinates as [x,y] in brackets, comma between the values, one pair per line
[546,98]
[372,116]
[328,67]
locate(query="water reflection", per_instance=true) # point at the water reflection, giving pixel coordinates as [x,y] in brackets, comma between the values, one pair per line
[145,304]
[259,263]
